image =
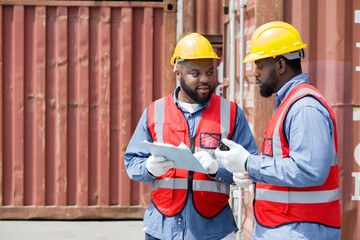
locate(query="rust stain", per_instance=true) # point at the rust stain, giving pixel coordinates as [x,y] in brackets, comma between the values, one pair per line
[123,147]
[62,62]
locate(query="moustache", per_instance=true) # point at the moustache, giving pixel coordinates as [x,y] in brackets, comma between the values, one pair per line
[203,85]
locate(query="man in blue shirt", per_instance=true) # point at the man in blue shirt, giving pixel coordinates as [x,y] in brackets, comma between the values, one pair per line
[296,176]
[196,208]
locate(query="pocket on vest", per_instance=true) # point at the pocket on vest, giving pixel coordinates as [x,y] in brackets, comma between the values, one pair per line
[174,133]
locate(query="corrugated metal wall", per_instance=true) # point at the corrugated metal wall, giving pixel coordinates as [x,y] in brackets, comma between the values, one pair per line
[76,77]
[331,30]
[202,16]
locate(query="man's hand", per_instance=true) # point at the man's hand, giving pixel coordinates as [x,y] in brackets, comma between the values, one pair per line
[207,162]
[234,159]
[242,179]
[157,166]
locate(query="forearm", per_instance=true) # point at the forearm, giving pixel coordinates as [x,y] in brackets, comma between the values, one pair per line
[136,155]
[135,168]
[285,172]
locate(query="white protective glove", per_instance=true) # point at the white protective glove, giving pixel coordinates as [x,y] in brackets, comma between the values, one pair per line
[207,162]
[234,159]
[242,179]
[157,166]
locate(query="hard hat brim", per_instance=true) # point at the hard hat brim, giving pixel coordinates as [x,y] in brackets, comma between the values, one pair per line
[173,59]
[254,56]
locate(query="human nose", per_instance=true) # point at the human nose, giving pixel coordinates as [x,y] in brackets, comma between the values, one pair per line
[256,71]
[205,78]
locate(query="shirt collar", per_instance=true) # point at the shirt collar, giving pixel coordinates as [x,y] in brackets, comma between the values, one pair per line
[290,85]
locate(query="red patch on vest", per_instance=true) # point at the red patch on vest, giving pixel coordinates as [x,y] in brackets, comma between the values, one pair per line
[208,140]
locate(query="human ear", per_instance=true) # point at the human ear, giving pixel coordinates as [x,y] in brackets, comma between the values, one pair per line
[178,75]
[281,66]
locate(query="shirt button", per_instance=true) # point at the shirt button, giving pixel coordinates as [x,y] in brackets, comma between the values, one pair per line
[219,178]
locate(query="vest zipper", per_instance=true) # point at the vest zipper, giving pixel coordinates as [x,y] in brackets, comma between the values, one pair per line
[192,144]
[192,149]
[191,173]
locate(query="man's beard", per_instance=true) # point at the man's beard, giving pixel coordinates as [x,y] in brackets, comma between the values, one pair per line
[266,90]
[193,94]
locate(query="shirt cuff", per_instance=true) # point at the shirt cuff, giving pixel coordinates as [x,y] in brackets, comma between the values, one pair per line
[223,175]
[253,167]
[148,176]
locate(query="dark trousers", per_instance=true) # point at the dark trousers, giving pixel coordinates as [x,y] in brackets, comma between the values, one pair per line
[149,237]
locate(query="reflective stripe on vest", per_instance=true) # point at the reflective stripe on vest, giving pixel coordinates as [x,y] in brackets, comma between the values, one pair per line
[171,183]
[159,119]
[210,186]
[168,125]
[198,185]
[224,117]
[298,197]
[274,205]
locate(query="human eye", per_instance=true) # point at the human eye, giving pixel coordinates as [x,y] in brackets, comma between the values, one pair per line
[195,74]
[210,73]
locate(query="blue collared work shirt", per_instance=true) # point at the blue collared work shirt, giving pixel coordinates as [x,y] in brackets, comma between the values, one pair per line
[188,224]
[308,129]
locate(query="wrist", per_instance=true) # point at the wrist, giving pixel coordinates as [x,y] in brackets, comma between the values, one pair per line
[152,175]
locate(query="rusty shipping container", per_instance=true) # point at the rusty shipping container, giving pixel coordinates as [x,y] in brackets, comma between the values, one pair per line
[75,78]
[202,16]
[331,30]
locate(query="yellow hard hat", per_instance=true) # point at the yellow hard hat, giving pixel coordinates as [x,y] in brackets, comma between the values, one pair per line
[193,46]
[273,39]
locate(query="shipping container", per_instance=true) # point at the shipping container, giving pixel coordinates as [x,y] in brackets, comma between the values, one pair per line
[202,16]
[75,79]
[331,30]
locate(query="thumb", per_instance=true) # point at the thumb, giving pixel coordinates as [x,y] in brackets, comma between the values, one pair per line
[229,143]
[240,175]
[202,154]
[219,153]
[199,154]
[159,159]
[167,164]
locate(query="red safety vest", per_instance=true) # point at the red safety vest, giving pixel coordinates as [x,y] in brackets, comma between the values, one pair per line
[167,124]
[274,205]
